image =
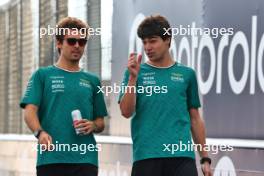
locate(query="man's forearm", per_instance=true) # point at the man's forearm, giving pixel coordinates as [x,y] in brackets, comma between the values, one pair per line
[99,125]
[198,133]
[128,101]
[31,118]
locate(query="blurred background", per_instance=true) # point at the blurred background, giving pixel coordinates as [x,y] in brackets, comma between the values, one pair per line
[229,70]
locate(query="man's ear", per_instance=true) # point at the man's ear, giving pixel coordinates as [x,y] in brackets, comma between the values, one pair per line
[58,43]
[168,41]
[59,46]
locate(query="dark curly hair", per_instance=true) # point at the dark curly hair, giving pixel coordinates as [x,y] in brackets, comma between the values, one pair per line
[156,25]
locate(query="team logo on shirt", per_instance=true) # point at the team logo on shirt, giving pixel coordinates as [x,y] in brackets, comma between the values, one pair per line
[57,84]
[148,78]
[177,77]
[85,83]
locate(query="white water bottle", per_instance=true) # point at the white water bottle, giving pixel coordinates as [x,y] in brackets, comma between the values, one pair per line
[76,116]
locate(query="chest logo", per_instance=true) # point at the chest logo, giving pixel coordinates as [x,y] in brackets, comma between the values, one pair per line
[148,78]
[177,77]
[57,84]
[85,83]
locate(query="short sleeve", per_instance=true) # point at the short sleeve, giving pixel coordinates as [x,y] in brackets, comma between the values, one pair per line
[34,90]
[99,107]
[124,83]
[193,100]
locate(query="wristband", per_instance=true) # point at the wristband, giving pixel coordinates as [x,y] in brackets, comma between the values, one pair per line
[95,128]
[205,159]
[37,133]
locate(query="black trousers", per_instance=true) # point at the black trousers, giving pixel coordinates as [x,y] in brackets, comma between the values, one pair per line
[65,169]
[176,166]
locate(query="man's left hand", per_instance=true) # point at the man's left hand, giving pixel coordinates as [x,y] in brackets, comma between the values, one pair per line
[206,168]
[85,126]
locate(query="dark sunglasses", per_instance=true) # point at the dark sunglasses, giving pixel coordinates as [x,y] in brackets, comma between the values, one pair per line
[73,41]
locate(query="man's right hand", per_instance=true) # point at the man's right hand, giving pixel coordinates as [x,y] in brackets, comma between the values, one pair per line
[134,65]
[128,101]
[45,140]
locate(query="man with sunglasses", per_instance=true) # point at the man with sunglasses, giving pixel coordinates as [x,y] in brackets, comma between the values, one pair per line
[52,95]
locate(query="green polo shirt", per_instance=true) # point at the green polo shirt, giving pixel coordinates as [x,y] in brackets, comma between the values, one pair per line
[57,93]
[163,99]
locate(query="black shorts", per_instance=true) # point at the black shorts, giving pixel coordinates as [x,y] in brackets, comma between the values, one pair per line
[65,169]
[176,166]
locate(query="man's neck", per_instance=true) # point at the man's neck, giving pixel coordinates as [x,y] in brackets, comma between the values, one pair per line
[66,65]
[166,61]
